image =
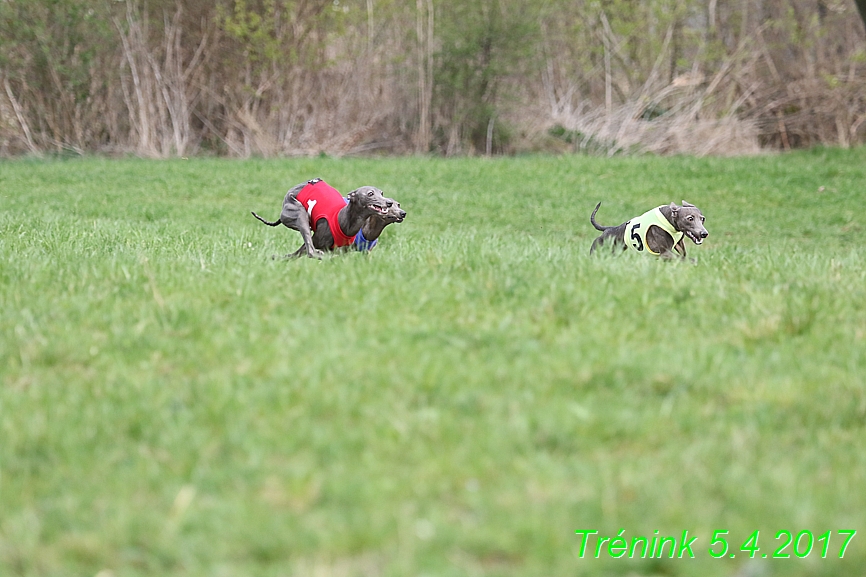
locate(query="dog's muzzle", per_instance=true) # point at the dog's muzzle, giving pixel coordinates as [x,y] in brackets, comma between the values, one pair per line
[695,238]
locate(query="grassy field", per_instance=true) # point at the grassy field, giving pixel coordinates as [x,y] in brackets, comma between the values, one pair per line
[173,402]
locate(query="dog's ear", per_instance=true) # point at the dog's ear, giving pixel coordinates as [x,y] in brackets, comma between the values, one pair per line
[674,208]
[688,204]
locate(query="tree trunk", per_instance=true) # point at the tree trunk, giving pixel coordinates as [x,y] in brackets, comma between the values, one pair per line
[861,7]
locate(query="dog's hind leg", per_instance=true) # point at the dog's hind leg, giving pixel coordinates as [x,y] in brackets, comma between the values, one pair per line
[297,254]
[295,217]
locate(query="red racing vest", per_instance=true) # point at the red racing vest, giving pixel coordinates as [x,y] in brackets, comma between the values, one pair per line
[324,201]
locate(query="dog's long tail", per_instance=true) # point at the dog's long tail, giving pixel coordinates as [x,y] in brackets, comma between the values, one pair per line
[592,220]
[275,223]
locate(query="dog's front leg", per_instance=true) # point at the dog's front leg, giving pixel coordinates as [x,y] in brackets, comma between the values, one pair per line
[660,243]
[666,247]
[681,249]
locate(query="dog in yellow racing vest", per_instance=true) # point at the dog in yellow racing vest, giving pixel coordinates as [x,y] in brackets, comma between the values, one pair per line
[659,231]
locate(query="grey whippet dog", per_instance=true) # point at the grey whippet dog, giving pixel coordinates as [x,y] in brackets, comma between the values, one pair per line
[659,231]
[368,235]
[324,219]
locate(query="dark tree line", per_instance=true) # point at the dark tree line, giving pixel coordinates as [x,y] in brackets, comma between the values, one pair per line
[295,77]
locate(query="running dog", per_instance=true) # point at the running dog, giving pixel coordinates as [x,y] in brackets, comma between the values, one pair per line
[325,220]
[659,231]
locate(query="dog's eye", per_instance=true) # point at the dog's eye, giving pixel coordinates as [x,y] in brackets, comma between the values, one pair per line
[691,218]
[703,219]
[370,193]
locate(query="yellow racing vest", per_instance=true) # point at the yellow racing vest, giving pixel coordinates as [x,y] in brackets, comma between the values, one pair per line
[636,229]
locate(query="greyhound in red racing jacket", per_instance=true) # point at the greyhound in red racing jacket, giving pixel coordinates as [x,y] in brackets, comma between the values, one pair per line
[324,219]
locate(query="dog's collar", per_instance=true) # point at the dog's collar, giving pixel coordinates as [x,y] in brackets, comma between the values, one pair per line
[362,243]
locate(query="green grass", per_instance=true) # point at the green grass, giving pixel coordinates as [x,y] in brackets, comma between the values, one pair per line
[458,402]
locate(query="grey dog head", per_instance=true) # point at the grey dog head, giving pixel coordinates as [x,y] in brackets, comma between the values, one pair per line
[369,198]
[394,213]
[689,220]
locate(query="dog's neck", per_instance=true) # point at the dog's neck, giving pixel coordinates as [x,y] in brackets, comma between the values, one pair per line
[668,214]
[373,227]
[351,218]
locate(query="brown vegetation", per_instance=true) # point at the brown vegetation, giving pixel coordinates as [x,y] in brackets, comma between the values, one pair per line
[298,77]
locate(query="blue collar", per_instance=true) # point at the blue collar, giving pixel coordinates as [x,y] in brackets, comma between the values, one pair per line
[362,243]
